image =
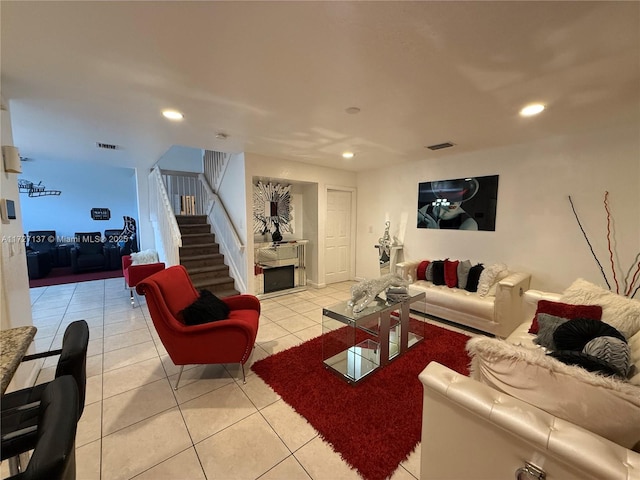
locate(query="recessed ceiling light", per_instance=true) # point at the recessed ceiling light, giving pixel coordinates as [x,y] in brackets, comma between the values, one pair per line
[533,109]
[348,155]
[221,136]
[352,110]
[172,114]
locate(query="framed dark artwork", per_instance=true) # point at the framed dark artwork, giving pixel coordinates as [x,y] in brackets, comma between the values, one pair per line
[100,213]
[458,204]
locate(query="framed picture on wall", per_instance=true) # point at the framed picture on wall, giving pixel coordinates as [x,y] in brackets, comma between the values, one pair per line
[458,204]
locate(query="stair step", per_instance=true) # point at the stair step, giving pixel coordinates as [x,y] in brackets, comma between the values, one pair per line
[214,281]
[191,219]
[208,273]
[195,261]
[199,249]
[225,293]
[198,239]
[196,228]
[214,284]
[201,256]
[207,269]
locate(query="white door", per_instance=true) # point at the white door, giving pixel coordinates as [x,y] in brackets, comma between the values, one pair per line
[338,236]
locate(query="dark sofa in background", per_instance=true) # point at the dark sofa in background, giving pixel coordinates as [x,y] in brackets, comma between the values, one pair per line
[89,252]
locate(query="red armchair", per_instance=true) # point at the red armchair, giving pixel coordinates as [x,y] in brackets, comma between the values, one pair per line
[133,274]
[223,341]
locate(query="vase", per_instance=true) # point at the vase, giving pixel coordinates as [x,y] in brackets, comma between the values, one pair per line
[276,235]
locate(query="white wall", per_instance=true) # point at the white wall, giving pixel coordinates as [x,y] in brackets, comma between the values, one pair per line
[232,194]
[536,230]
[83,187]
[182,159]
[314,207]
[15,306]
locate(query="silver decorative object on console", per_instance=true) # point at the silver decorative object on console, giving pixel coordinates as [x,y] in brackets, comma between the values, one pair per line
[384,246]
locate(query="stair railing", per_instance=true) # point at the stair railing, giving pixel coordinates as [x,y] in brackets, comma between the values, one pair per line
[166,230]
[185,192]
[226,235]
[215,164]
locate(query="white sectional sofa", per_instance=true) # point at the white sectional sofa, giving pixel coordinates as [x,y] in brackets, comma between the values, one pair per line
[498,313]
[522,407]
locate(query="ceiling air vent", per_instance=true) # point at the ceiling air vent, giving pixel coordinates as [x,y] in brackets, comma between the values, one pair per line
[440,146]
[106,146]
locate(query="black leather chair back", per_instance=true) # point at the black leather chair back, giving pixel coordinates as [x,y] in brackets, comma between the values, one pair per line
[18,432]
[112,236]
[53,457]
[89,242]
[73,359]
[42,240]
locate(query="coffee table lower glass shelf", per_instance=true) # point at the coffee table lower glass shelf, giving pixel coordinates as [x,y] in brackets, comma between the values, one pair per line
[356,362]
[355,345]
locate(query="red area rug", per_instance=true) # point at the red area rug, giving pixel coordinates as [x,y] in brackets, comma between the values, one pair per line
[375,424]
[61,275]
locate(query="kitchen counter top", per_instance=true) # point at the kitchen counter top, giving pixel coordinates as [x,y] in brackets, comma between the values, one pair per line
[14,343]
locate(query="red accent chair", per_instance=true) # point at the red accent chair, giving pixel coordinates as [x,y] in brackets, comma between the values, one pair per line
[223,341]
[134,274]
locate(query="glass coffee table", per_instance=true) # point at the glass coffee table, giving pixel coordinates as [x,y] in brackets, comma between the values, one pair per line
[356,344]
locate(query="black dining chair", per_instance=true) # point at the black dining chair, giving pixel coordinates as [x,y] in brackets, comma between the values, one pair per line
[20,409]
[53,456]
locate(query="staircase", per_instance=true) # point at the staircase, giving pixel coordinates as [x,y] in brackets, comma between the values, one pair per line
[200,255]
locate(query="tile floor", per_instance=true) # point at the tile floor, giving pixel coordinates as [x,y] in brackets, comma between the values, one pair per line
[135,425]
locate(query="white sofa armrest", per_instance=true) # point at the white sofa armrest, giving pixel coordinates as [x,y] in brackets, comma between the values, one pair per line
[496,434]
[407,270]
[508,305]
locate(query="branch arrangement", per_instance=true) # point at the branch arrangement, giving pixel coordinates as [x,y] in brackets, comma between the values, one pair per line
[628,285]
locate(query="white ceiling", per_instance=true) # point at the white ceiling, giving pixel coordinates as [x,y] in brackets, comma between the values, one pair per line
[278,76]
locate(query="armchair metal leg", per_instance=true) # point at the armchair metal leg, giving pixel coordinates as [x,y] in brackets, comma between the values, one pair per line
[133,303]
[179,375]
[244,378]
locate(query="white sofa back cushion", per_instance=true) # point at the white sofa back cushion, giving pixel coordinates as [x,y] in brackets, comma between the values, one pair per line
[620,312]
[603,405]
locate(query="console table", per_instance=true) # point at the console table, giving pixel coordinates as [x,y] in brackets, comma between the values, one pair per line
[280,267]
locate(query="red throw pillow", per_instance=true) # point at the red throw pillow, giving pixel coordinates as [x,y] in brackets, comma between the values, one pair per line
[565,310]
[451,273]
[421,271]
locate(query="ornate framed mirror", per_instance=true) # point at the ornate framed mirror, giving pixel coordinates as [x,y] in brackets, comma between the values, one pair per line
[272,208]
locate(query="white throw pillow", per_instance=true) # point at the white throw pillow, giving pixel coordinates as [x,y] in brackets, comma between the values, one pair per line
[489,277]
[143,257]
[618,311]
[604,405]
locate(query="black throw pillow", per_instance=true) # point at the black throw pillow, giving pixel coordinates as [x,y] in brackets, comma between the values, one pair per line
[575,334]
[438,272]
[474,277]
[207,308]
[584,360]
